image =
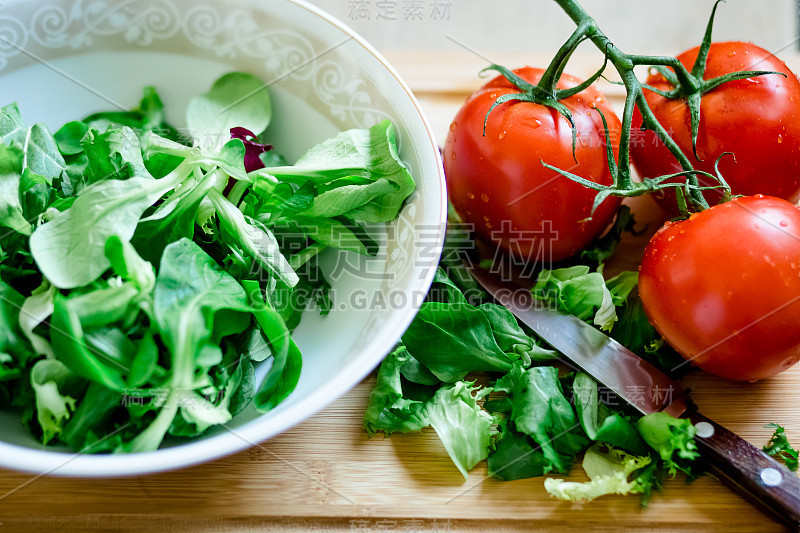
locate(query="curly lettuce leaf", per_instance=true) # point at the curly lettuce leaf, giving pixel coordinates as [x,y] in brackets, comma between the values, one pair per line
[780,448]
[579,292]
[463,426]
[608,469]
[672,438]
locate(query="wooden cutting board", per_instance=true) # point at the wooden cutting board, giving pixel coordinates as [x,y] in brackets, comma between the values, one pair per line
[325,474]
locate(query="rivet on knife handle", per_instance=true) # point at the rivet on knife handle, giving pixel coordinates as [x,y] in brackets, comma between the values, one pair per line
[749,470]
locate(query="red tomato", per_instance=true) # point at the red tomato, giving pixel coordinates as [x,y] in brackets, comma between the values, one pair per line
[757,119]
[723,287]
[497,182]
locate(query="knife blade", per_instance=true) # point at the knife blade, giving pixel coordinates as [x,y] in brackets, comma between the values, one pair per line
[629,376]
[736,462]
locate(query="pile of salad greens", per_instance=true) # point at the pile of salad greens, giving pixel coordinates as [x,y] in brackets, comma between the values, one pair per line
[539,414]
[144,271]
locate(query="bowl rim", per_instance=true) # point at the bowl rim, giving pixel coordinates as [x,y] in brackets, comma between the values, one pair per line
[252,433]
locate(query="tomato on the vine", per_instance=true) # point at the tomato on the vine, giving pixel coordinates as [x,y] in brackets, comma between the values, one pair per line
[757,119]
[723,287]
[497,182]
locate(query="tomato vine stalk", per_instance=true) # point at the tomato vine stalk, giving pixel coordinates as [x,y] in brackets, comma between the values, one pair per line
[688,85]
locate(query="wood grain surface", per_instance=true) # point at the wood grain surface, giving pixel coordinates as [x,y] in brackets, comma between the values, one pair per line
[325,474]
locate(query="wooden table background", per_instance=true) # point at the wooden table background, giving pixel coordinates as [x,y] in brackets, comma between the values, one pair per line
[326,475]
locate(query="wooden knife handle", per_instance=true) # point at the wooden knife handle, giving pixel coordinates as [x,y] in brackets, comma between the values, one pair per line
[748,470]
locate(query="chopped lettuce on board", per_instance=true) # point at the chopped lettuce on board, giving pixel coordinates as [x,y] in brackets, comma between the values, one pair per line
[538,417]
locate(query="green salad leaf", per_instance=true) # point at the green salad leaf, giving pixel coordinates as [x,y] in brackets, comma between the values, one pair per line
[389,409]
[463,427]
[444,329]
[53,407]
[600,422]
[672,438]
[780,448]
[516,456]
[70,248]
[235,100]
[578,292]
[608,469]
[12,128]
[11,213]
[540,410]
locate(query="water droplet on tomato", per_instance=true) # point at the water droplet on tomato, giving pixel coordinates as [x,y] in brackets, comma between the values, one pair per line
[488,226]
[493,95]
[453,156]
[470,196]
[783,223]
[485,218]
[501,135]
[485,198]
[780,138]
[453,126]
[731,54]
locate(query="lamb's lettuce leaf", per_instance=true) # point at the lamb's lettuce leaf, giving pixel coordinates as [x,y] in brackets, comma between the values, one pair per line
[53,405]
[235,100]
[144,273]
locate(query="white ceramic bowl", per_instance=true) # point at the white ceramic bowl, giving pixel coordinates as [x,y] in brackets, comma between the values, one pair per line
[63,59]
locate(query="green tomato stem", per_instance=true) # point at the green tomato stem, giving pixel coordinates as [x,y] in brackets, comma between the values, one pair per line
[549,80]
[624,65]
[688,86]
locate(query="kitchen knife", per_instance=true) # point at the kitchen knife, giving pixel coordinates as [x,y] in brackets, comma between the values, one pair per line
[737,463]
